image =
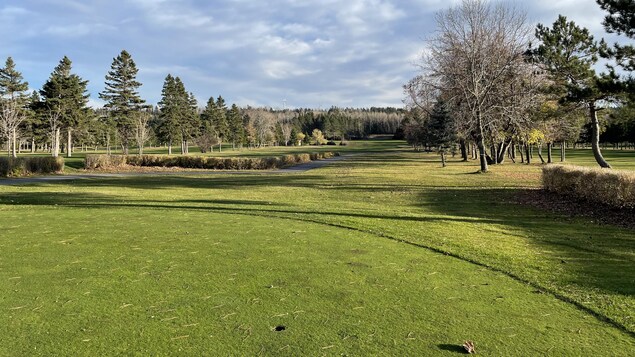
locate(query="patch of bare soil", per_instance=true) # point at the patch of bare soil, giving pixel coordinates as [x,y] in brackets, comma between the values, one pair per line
[574,207]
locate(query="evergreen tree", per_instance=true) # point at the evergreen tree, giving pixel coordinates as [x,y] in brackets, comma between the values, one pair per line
[621,20]
[13,100]
[441,129]
[208,136]
[122,96]
[236,128]
[65,93]
[569,54]
[170,114]
[219,121]
[190,122]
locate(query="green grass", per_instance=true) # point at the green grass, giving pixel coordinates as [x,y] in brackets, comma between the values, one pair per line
[384,254]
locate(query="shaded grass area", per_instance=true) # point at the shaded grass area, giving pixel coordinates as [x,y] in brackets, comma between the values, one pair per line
[149,249]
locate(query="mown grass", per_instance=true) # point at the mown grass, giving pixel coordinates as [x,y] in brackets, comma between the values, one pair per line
[349,258]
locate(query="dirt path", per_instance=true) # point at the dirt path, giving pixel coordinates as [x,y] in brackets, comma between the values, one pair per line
[289,170]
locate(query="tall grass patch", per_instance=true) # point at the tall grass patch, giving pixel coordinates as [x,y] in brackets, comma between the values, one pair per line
[25,166]
[613,187]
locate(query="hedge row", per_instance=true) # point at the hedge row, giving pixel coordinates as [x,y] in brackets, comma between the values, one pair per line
[616,188]
[25,166]
[203,162]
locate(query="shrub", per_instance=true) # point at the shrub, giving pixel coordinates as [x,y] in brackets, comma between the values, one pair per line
[44,164]
[105,161]
[24,166]
[616,188]
[202,162]
[331,142]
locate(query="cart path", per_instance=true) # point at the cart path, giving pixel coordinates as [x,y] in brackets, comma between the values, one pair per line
[289,170]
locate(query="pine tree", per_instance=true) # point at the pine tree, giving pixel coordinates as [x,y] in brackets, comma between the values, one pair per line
[620,20]
[191,121]
[169,115]
[122,96]
[441,129]
[236,128]
[13,100]
[219,121]
[66,94]
[208,137]
[569,53]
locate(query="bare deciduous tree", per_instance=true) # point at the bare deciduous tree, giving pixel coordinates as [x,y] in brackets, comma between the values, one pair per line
[477,50]
[12,114]
[142,128]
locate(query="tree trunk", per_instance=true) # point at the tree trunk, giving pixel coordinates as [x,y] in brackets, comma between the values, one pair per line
[595,137]
[528,153]
[32,145]
[549,155]
[56,142]
[463,150]
[540,153]
[443,158]
[502,151]
[563,152]
[14,152]
[69,144]
[170,147]
[481,144]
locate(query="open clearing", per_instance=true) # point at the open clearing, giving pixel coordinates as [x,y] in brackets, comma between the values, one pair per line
[385,253]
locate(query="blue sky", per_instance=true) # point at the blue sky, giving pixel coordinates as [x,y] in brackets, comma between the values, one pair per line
[354,53]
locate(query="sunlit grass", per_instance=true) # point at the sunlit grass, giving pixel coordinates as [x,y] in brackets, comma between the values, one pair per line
[384,253]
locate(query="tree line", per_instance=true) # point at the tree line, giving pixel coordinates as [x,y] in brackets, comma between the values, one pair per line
[494,88]
[57,117]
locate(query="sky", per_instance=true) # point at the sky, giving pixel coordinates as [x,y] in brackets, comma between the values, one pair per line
[275,53]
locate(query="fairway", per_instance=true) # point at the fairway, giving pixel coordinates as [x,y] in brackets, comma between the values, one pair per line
[383,253]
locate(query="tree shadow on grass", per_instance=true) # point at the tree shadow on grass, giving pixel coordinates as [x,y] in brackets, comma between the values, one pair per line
[247,207]
[589,255]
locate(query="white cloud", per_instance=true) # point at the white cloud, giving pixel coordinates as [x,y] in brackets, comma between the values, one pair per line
[284,69]
[77,30]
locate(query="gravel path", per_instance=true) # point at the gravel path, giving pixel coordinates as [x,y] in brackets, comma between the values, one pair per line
[289,170]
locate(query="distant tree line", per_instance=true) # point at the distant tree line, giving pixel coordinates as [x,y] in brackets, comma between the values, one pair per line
[57,117]
[503,89]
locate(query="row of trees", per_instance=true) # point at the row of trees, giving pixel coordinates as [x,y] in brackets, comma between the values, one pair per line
[38,120]
[499,92]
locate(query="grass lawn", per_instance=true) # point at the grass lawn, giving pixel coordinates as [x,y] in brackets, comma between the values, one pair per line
[382,254]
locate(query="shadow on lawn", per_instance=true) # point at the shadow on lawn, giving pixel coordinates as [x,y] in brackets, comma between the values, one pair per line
[97,201]
[592,256]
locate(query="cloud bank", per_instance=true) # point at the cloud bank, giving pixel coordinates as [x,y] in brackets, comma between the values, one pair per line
[310,53]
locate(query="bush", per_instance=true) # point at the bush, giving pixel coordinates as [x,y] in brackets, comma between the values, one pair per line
[331,142]
[202,162]
[24,166]
[105,161]
[615,188]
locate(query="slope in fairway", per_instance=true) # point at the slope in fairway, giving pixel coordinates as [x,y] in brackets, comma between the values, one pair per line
[109,280]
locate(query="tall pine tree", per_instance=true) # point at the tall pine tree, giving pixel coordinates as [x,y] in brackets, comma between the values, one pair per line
[65,98]
[122,97]
[236,128]
[569,53]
